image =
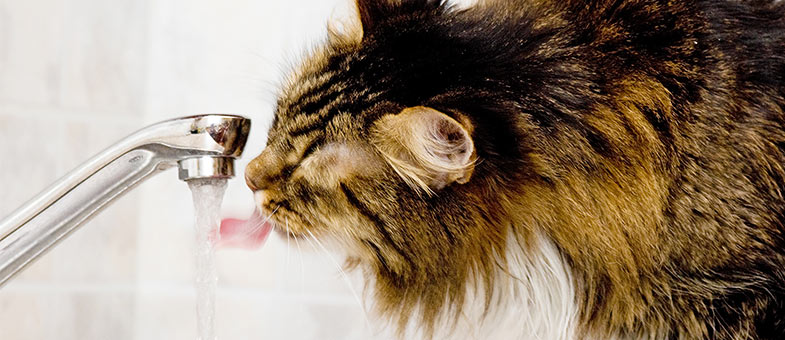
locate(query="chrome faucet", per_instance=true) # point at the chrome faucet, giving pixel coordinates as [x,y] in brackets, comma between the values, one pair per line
[202,146]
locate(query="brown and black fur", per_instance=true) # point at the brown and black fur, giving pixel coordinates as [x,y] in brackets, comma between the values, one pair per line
[646,138]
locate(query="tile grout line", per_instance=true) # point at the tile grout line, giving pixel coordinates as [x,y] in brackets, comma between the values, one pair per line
[176,291]
[69,114]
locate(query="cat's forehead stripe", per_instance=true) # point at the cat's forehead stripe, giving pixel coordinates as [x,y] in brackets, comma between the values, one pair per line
[329,85]
[314,103]
[328,74]
[310,79]
[352,103]
[312,121]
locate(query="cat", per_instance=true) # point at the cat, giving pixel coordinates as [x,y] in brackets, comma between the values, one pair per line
[545,169]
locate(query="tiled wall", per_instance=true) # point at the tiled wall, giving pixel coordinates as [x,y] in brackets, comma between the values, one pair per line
[77,75]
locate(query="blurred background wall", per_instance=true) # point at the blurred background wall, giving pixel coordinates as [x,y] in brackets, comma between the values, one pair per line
[78,75]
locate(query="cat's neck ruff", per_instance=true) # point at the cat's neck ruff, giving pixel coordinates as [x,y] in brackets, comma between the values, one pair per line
[534,297]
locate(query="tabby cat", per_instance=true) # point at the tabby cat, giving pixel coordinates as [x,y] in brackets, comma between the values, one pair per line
[545,169]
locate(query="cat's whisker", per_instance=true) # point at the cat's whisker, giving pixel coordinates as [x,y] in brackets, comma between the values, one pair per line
[288,243]
[260,224]
[345,277]
[288,251]
[302,269]
[302,265]
[257,225]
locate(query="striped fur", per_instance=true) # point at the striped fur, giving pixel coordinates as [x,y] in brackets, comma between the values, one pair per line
[625,178]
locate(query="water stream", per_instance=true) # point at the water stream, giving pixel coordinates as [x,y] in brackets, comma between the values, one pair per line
[207,197]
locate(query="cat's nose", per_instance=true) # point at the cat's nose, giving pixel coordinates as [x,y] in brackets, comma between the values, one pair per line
[255,175]
[250,182]
[260,173]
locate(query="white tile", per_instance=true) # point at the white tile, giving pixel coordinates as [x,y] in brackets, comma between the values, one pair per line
[248,269]
[31,46]
[160,316]
[29,316]
[249,316]
[103,316]
[242,317]
[63,315]
[342,321]
[104,64]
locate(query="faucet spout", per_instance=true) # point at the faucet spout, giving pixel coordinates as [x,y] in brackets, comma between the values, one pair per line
[202,146]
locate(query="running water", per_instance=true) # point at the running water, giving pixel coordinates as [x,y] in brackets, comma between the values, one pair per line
[207,196]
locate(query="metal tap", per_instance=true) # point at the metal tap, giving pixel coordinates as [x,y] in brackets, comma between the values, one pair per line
[202,146]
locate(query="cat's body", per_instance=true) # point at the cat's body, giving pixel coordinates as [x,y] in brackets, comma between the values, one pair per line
[613,169]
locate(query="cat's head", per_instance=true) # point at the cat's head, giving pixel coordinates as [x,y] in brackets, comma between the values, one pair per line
[392,146]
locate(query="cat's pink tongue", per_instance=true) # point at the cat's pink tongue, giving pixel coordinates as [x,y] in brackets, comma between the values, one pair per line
[248,234]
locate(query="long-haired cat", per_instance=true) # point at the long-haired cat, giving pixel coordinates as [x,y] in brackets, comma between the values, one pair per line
[546,169]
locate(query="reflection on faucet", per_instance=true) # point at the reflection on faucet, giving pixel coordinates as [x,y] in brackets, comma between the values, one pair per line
[202,146]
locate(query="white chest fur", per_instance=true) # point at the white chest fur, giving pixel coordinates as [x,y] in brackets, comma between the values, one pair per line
[533,298]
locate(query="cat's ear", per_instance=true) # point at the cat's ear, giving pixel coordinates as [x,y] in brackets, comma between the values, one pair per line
[427,148]
[374,11]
